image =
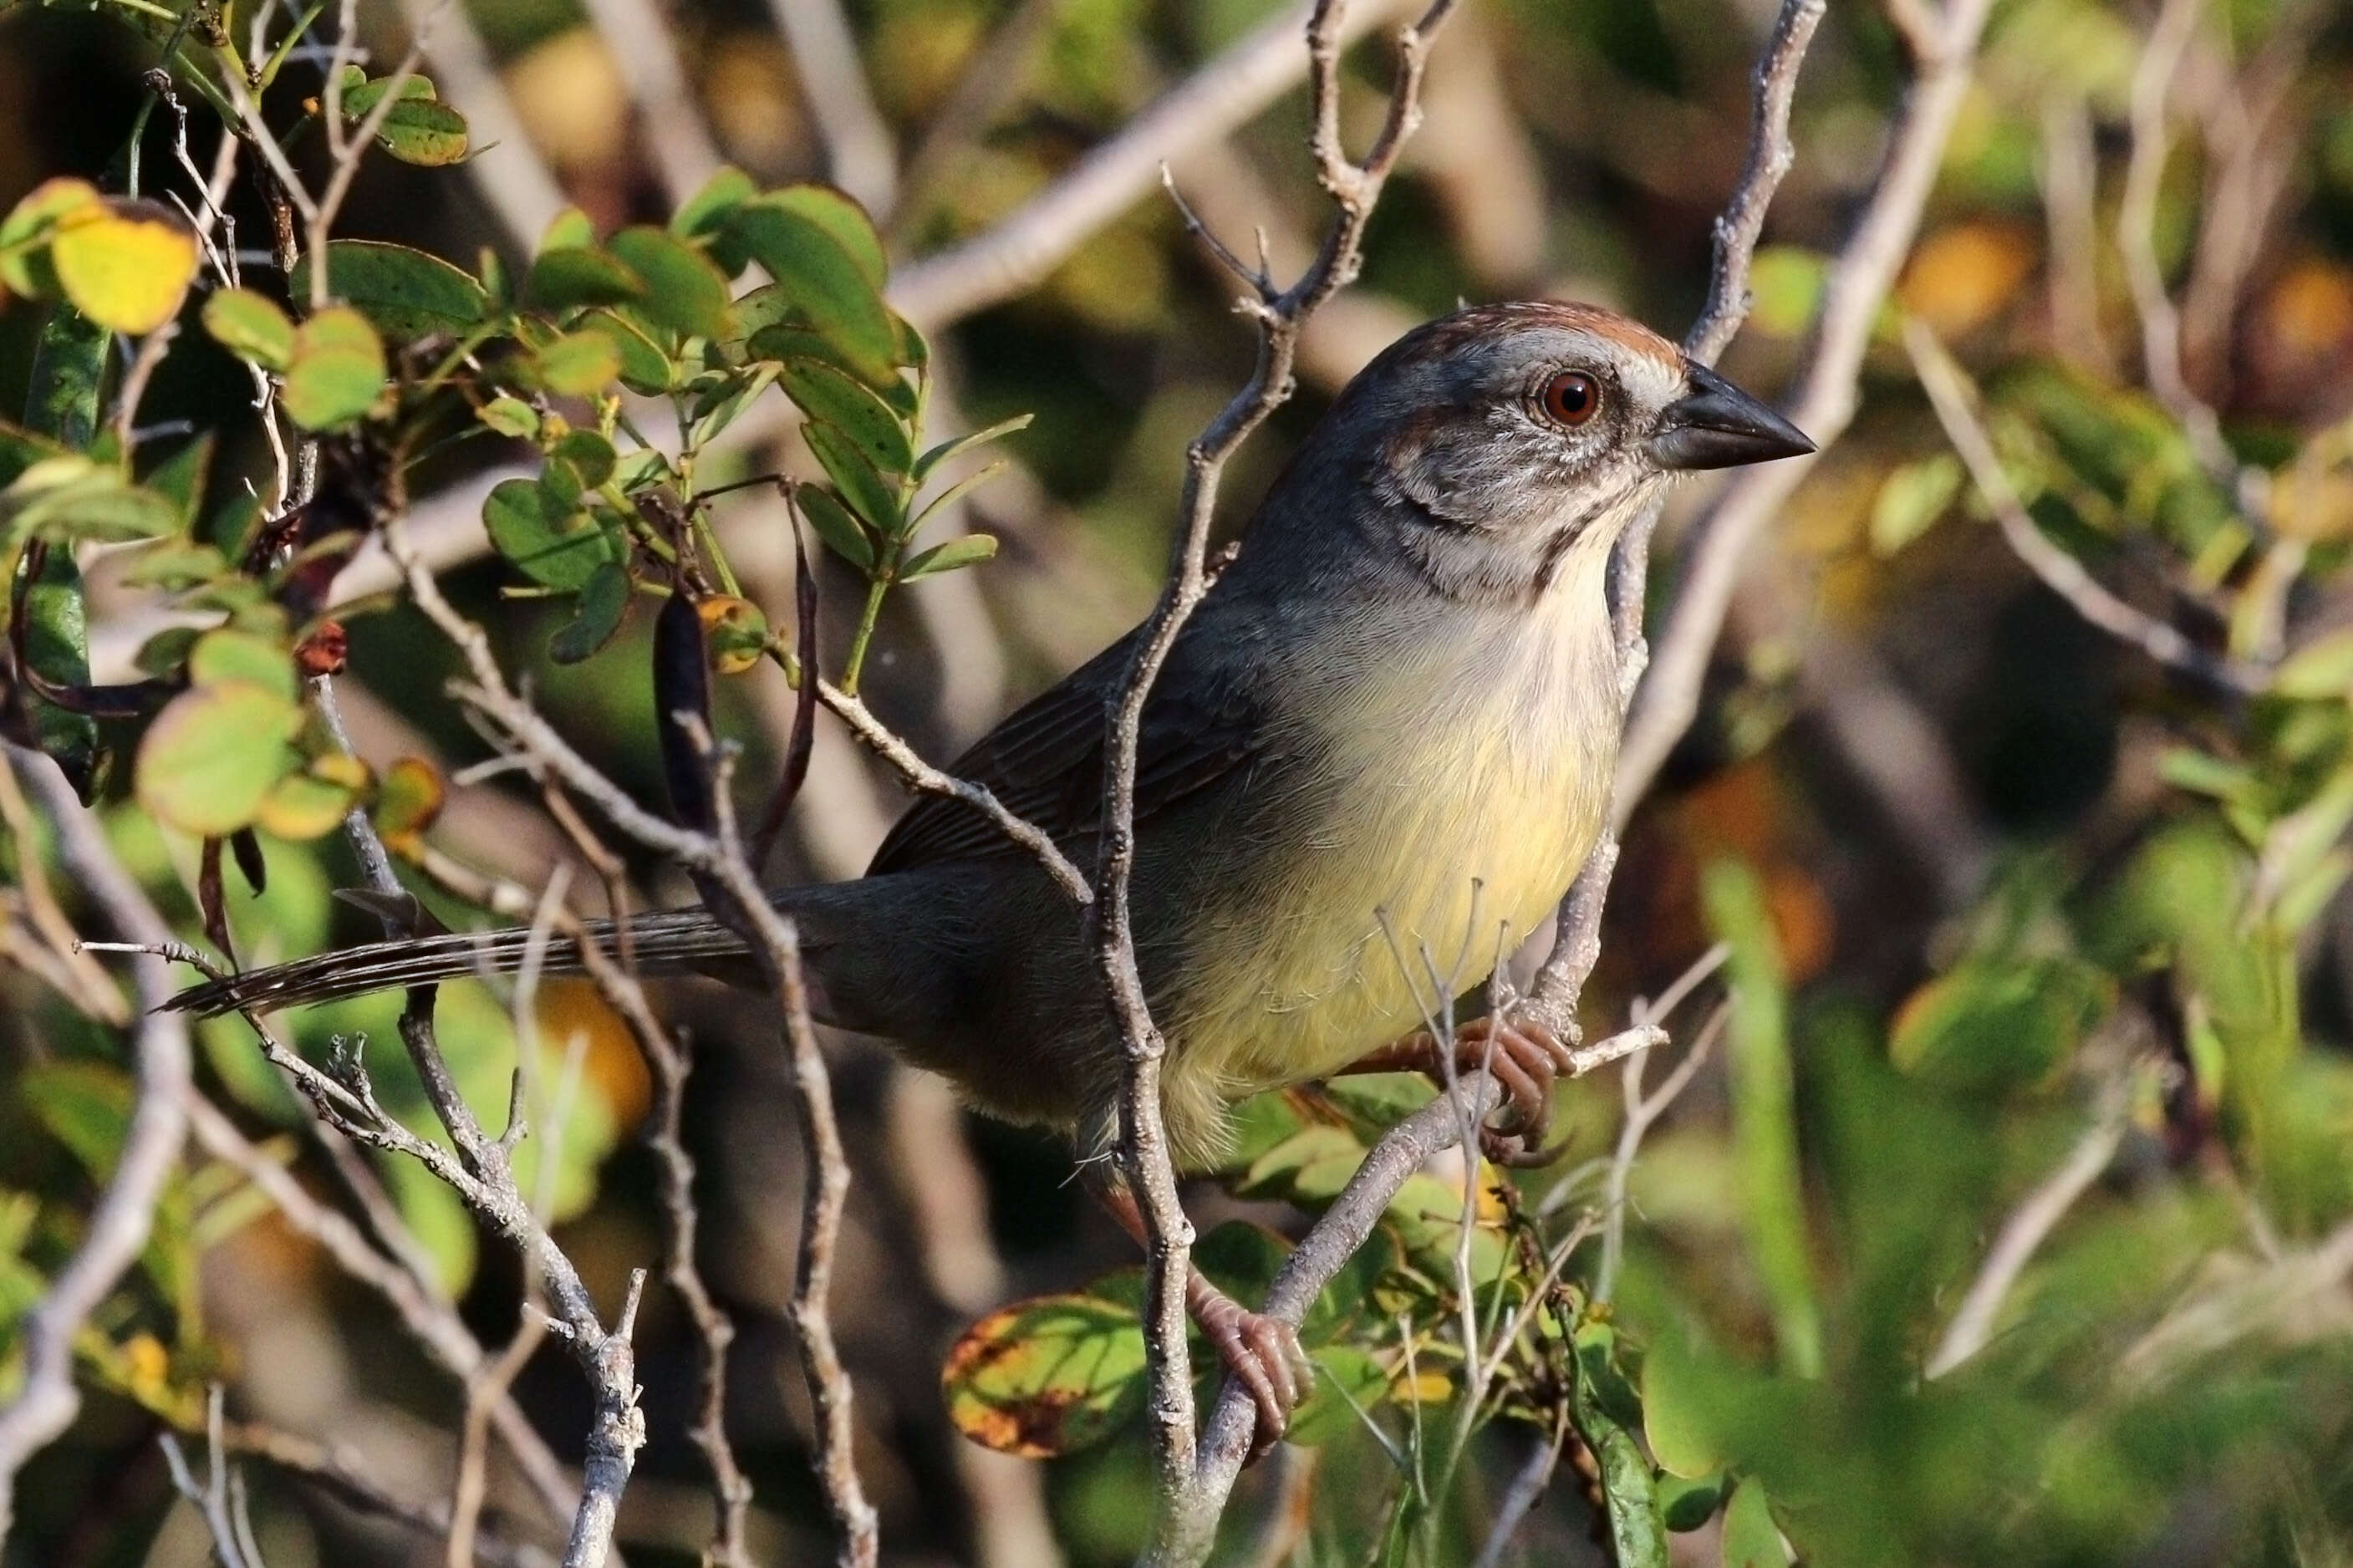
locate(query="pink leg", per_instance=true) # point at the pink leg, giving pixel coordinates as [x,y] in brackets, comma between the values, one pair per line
[1526,1059]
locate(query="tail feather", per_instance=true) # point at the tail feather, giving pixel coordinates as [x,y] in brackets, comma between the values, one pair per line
[672,941]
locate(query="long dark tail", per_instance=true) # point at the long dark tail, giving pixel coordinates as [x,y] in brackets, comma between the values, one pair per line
[672,941]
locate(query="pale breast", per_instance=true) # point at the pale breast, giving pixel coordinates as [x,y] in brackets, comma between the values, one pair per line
[1463,780]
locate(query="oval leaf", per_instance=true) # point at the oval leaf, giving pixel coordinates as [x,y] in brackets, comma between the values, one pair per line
[579,364]
[604,605]
[562,549]
[125,264]
[406,293]
[422,132]
[685,292]
[337,370]
[824,393]
[966,549]
[843,221]
[25,265]
[577,275]
[824,284]
[1046,1376]
[211,756]
[841,532]
[251,326]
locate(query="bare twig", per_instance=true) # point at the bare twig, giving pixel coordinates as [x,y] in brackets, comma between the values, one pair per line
[2023,1232]
[47,1400]
[1577,945]
[861,155]
[1144,1159]
[347,1477]
[2160,323]
[1949,393]
[1824,401]
[1642,1111]
[1527,1487]
[1035,237]
[220,1497]
[645,50]
[429,1316]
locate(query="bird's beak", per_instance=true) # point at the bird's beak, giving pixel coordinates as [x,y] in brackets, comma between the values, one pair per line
[1717,425]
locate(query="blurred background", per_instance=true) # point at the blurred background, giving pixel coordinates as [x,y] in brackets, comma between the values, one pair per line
[1967,807]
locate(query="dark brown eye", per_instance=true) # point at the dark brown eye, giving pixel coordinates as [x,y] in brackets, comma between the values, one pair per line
[1571,397]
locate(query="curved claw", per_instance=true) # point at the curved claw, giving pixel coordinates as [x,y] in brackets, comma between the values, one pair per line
[1525,1058]
[1265,1353]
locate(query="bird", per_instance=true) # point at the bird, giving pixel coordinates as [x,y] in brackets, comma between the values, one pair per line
[1391,724]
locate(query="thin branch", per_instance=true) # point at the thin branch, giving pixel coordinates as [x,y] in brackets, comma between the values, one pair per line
[2160,323]
[2024,1233]
[1033,239]
[1824,403]
[428,1317]
[346,1477]
[1950,395]
[861,155]
[1145,1161]
[47,1400]
[670,121]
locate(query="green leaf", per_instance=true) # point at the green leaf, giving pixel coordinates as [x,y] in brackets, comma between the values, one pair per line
[2000,1023]
[684,292]
[956,492]
[568,230]
[181,477]
[25,262]
[86,1106]
[1675,1407]
[313,802]
[843,221]
[1637,1531]
[578,364]
[963,444]
[509,417]
[792,340]
[2321,669]
[560,548]
[604,605]
[57,644]
[69,366]
[840,531]
[422,132]
[1046,1376]
[405,292]
[1764,1102]
[1911,499]
[359,94]
[579,275]
[704,214]
[1687,1504]
[825,284]
[70,498]
[125,264]
[337,372]
[824,393]
[227,655]
[965,550]
[589,455]
[869,495]
[1751,1540]
[646,366]
[1347,1379]
[251,326]
[722,402]
[213,753]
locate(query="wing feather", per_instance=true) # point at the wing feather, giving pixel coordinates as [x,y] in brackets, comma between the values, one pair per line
[1045,760]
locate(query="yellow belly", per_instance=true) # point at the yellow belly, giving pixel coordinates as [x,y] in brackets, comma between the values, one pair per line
[1465,791]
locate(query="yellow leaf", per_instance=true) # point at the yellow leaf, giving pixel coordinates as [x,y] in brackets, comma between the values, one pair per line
[124,264]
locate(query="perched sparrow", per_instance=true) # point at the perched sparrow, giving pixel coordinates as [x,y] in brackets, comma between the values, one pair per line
[1399,704]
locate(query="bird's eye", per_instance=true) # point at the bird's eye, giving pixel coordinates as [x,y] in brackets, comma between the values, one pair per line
[1571,398]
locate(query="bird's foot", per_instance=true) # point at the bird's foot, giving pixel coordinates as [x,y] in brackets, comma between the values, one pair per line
[1523,1055]
[1263,1352]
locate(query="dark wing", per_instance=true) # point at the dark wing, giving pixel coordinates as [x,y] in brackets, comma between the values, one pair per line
[1045,760]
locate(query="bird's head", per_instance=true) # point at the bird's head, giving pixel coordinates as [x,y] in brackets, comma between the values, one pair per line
[1491,441]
